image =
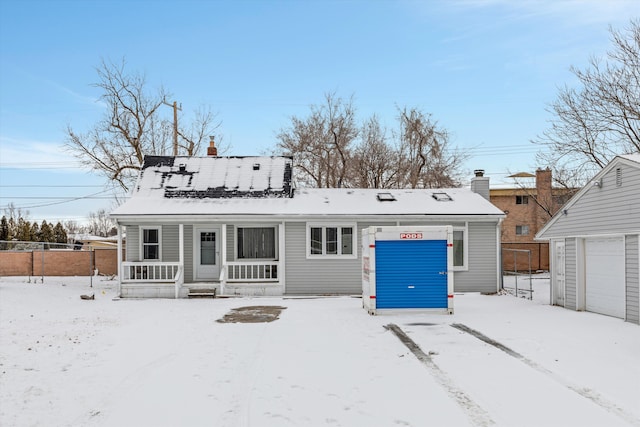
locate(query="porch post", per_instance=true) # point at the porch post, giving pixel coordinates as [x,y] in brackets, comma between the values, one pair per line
[180,258]
[119,255]
[223,257]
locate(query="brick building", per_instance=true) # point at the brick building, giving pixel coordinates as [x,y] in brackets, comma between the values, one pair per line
[528,209]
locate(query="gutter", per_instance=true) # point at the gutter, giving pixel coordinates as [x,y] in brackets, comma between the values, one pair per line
[303,217]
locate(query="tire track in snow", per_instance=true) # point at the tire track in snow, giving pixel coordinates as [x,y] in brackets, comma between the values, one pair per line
[478,416]
[582,391]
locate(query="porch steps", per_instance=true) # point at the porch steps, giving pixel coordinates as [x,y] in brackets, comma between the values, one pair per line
[202,293]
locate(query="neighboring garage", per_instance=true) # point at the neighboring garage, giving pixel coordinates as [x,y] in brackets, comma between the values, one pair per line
[595,244]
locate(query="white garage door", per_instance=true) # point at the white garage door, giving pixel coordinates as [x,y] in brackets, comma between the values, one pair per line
[605,275]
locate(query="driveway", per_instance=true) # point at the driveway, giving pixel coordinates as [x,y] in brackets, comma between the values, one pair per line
[499,360]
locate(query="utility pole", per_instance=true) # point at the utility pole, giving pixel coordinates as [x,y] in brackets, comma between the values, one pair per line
[175,123]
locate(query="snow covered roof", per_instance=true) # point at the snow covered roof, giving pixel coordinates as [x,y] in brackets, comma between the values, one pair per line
[635,157]
[235,186]
[91,238]
[214,177]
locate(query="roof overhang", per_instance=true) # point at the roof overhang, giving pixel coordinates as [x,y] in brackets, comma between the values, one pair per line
[208,218]
[628,160]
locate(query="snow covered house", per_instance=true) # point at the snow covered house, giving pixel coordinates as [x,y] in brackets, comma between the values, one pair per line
[595,244]
[237,225]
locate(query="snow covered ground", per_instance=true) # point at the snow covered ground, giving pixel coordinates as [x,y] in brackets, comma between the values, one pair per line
[65,361]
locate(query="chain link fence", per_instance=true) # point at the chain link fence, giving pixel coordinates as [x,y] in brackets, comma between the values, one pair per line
[517,269]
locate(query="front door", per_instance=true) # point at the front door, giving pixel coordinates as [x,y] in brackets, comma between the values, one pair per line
[206,253]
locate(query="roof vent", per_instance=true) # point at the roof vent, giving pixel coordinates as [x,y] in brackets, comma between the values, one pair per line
[256,166]
[442,197]
[385,197]
[182,167]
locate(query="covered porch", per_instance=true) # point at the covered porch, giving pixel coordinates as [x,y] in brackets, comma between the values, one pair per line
[206,257]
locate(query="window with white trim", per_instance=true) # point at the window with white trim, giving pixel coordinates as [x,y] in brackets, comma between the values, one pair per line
[522,230]
[150,238]
[460,250]
[331,240]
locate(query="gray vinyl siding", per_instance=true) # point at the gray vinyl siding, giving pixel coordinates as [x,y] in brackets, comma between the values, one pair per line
[331,276]
[343,276]
[321,276]
[632,278]
[133,243]
[170,243]
[431,223]
[231,243]
[482,274]
[188,253]
[609,209]
[571,276]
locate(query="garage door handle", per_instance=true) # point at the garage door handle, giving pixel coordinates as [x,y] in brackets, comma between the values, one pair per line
[410,286]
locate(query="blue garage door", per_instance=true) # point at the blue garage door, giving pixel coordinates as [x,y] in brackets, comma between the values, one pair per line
[409,274]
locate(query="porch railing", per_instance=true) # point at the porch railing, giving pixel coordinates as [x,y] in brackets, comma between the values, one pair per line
[257,271]
[172,272]
[151,272]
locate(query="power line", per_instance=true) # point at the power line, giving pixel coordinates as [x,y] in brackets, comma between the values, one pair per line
[50,186]
[42,164]
[69,200]
[54,197]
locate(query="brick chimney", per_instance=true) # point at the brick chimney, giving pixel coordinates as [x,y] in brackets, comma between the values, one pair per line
[480,183]
[545,197]
[211,149]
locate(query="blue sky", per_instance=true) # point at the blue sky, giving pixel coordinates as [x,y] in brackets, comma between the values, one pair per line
[485,70]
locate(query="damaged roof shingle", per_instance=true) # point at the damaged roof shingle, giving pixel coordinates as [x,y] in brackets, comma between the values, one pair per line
[216,177]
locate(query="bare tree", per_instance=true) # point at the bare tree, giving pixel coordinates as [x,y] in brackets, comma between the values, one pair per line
[100,224]
[198,131]
[132,127]
[375,162]
[600,118]
[321,143]
[12,211]
[425,158]
[72,226]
